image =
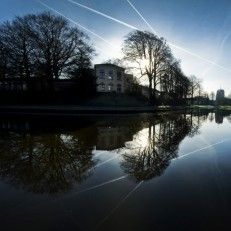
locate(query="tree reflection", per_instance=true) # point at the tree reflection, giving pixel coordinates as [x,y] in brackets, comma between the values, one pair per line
[45,164]
[164,139]
[52,161]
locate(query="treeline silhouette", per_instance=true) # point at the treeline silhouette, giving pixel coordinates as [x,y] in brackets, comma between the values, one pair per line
[39,49]
[42,51]
[153,59]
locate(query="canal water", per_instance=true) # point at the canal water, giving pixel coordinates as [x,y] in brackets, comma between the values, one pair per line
[168,171]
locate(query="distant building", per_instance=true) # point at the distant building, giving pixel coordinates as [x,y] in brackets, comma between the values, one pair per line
[220,94]
[111,78]
[13,84]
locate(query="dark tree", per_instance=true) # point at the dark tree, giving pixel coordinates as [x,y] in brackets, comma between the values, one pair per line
[43,45]
[144,163]
[4,63]
[51,163]
[174,84]
[15,39]
[149,53]
[58,47]
[194,87]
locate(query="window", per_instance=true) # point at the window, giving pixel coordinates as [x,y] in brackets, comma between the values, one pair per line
[102,86]
[119,75]
[118,87]
[110,87]
[24,87]
[101,74]
[110,74]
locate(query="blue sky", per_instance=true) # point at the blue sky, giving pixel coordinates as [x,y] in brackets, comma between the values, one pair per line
[203,27]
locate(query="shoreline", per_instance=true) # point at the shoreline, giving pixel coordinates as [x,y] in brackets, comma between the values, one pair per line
[80,110]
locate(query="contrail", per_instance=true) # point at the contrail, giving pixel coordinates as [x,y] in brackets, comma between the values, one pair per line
[198,56]
[138,185]
[106,161]
[101,184]
[134,8]
[128,25]
[119,204]
[77,24]
[104,15]
[176,46]
[206,147]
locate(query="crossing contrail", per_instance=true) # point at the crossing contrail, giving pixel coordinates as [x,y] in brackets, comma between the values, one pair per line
[104,15]
[201,149]
[176,46]
[102,184]
[134,8]
[119,204]
[77,24]
[130,26]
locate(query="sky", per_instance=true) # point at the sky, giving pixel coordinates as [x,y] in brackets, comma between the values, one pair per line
[198,31]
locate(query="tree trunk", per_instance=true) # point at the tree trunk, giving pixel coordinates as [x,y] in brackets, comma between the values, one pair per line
[150,90]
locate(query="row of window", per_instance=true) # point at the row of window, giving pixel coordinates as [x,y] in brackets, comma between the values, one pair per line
[110,74]
[12,86]
[110,87]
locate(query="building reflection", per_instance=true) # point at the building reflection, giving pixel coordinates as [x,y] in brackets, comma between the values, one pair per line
[219,117]
[46,158]
[110,138]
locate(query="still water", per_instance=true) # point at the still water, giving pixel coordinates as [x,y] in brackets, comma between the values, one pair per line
[116,172]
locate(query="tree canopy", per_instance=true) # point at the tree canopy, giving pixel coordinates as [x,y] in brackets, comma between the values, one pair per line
[155,61]
[42,45]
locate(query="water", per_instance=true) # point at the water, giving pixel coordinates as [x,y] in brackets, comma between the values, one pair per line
[116,172]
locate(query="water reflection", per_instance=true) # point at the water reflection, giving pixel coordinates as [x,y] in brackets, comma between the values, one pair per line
[45,163]
[49,157]
[164,137]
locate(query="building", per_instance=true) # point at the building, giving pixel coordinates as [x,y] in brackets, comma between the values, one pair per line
[12,85]
[111,78]
[220,94]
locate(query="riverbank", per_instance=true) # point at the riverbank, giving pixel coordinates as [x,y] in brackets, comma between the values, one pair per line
[209,107]
[75,110]
[79,110]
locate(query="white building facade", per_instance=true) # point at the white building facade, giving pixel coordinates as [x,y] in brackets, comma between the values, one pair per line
[110,78]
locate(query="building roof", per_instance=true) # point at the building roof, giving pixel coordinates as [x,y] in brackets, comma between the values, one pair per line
[109,64]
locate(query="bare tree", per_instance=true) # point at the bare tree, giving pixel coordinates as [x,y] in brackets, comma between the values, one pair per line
[149,53]
[212,96]
[174,83]
[43,45]
[57,46]
[4,60]
[194,87]
[15,38]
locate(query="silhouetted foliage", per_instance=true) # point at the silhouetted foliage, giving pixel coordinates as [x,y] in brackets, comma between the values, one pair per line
[41,48]
[44,45]
[154,60]
[144,163]
[149,52]
[85,82]
[45,164]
